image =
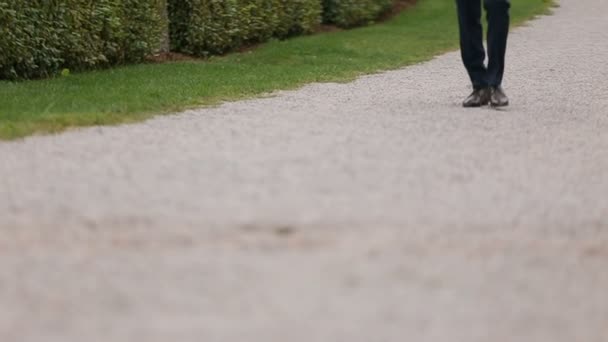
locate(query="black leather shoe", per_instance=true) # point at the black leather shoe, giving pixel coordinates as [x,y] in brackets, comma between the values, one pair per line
[479,97]
[498,97]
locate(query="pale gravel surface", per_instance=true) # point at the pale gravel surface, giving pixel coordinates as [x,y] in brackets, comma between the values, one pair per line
[377,210]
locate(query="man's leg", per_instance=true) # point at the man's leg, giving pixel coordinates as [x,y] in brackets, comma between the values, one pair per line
[471,41]
[498,30]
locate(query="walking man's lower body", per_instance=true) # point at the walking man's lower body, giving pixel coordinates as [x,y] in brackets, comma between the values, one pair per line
[487,80]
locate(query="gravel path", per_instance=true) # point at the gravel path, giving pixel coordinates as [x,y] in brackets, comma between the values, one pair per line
[377,210]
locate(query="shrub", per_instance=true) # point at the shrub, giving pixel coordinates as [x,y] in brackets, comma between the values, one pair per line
[349,13]
[204,27]
[40,37]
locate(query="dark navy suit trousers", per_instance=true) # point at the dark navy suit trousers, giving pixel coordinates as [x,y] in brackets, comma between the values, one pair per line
[471,40]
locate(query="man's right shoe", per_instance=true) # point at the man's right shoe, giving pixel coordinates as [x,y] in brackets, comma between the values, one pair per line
[479,97]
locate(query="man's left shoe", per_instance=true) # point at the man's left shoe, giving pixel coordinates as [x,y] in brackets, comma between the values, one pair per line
[498,98]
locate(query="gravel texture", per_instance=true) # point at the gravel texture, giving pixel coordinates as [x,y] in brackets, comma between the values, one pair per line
[378,210]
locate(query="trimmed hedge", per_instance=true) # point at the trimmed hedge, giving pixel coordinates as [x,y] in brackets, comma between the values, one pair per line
[350,13]
[40,37]
[204,27]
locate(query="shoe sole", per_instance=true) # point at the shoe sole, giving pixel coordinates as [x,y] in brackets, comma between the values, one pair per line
[476,106]
[495,105]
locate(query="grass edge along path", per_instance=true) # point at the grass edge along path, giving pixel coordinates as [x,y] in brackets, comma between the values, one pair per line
[133,93]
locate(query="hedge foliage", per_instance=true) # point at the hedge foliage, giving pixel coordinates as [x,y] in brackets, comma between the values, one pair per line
[349,13]
[40,37]
[204,27]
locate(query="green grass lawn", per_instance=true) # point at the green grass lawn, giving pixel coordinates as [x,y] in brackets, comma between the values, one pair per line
[137,92]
